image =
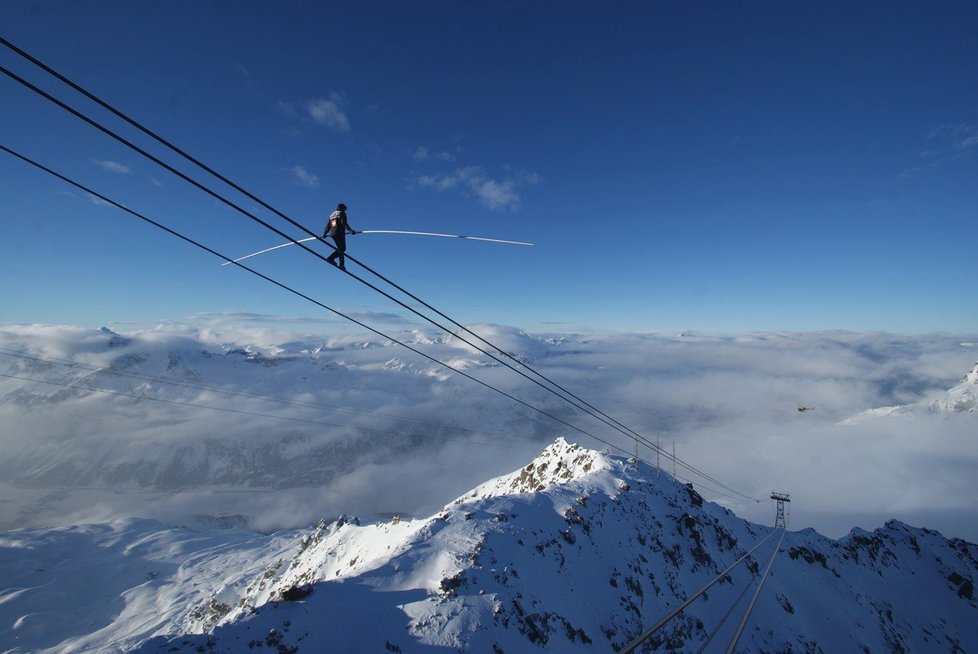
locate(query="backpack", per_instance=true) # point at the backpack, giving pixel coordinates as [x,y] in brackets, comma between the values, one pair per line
[334,222]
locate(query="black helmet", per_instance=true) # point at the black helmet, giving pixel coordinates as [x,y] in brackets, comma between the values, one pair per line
[341,206]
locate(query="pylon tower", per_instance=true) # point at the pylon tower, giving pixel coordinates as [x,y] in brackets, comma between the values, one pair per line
[780,498]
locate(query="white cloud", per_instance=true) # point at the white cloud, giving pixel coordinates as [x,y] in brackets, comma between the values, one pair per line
[97,201]
[492,193]
[497,195]
[729,403]
[111,166]
[422,153]
[155,182]
[968,141]
[949,143]
[329,113]
[304,178]
[956,133]
[959,136]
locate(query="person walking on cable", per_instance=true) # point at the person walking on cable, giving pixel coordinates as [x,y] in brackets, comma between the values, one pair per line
[337,227]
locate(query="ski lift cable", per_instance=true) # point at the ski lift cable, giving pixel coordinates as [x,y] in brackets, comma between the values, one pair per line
[632,646]
[750,607]
[264,204]
[255,218]
[634,435]
[285,287]
[69,363]
[723,620]
[236,207]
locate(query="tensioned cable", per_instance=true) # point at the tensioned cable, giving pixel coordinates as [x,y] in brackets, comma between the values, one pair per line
[303,295]
[69,363]
[632,646]
[250,215]
[726,615]
[255,218]
[632,433]
[191,241]
[750,607]
[261,202]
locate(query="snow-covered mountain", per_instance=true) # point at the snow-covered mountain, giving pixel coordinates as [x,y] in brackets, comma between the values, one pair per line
[962,398]
[575,551]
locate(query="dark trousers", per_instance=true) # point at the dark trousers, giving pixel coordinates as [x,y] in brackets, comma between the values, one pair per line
[340,239]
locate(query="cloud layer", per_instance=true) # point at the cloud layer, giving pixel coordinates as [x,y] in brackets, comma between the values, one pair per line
[364,426]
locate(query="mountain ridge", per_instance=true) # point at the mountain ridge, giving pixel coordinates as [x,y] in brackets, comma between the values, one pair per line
[583,561]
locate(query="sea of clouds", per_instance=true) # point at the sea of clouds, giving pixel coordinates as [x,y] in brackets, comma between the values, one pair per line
[181,424]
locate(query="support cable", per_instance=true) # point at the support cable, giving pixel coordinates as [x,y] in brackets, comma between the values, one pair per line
[632,646]
[726,615]
[191,241]
[620,427]
[337,312]
[750,607]
[255,218]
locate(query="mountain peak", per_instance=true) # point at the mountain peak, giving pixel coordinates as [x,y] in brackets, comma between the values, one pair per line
[559,463]
[961,398]
[115,339]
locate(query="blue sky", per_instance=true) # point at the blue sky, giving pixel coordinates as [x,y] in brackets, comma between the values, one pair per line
[711,166]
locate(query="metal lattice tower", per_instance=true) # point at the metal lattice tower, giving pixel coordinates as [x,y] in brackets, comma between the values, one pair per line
[780,498]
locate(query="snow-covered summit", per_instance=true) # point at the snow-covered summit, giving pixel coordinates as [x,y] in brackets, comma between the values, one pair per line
[584,560]
[559,463]
[961,398]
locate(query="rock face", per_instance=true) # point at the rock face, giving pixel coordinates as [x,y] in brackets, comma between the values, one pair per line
[581,551]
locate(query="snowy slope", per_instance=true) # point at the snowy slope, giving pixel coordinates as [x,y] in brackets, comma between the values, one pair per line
[575,551]
[96,587]
[962,398]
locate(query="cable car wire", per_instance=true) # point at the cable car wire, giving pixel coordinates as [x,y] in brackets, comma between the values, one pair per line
[578,402]
[620,426]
